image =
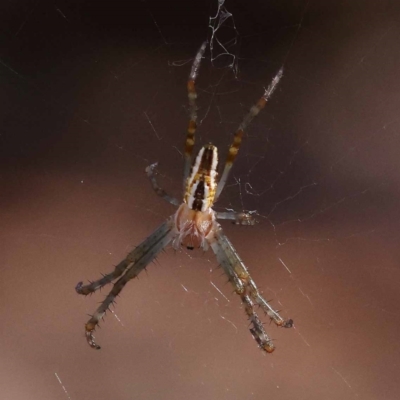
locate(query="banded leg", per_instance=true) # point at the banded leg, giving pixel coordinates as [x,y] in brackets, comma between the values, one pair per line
[237,138]
[135,262]
[192,96]
[246,289]
[238,218]
[151,172]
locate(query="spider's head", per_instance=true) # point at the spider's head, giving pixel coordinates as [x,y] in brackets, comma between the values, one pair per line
[192,227]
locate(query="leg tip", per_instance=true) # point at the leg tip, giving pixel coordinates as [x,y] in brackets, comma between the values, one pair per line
[288,324]
[78,287]
[91,341]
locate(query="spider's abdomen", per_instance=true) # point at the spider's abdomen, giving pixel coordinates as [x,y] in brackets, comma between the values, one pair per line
[202,181]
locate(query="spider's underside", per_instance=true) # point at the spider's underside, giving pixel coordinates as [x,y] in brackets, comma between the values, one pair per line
[194,225]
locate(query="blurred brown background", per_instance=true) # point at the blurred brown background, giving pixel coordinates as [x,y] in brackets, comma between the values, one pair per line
[92,92]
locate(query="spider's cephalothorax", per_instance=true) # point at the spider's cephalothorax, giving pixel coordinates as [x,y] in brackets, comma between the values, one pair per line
[195,225]
[201,185]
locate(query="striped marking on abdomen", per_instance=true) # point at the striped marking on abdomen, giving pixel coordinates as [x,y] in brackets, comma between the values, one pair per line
[202,182]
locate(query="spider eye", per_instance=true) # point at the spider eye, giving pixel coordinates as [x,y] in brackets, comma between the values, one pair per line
[190,247]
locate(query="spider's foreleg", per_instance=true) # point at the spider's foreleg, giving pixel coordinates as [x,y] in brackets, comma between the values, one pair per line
[151,172]
[144,254]
[245,288]
[237,138]
[192,96]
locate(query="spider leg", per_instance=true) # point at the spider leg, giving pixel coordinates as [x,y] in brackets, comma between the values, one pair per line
[151,172]
[246,288]
[192,96]
[107,278]
[132,258]
[237,138]
[134,263]
[238,218]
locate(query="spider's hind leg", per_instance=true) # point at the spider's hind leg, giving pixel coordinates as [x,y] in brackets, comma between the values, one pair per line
[135,262]
[246,289]
[107,278]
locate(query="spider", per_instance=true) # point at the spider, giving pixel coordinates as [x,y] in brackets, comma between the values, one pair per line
[194,225]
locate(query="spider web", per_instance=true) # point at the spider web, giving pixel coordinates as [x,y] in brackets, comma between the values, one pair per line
[96,92]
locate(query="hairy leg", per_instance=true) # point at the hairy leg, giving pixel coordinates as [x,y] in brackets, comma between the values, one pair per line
[246,289]
[192,96]
[237,138]
[134,263]
[151,172]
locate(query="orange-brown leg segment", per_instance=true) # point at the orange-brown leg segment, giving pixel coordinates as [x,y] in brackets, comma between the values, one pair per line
[237,138]
[192,96]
